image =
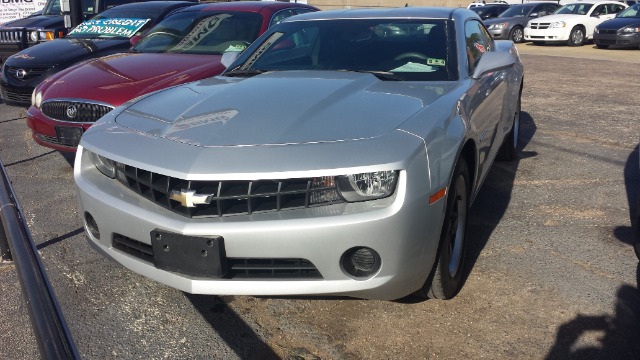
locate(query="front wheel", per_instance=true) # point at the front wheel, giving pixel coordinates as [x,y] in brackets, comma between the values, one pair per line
[517,35]
[448,272]
[509,147]
[576,37]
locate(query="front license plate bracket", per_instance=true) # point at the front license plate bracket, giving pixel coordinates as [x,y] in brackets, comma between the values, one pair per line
[190,255]
[69,135]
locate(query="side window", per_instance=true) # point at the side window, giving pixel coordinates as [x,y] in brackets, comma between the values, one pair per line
[303,11]
[478,41]
[615,8]
[540,10]
[550,8]
[600,9]
[281,15]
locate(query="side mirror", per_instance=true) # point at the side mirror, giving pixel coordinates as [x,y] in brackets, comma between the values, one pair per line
[534,15]
[229,57]
[595,14]
[493,61]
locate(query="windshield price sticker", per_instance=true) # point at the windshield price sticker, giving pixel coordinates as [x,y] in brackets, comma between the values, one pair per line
[110,27]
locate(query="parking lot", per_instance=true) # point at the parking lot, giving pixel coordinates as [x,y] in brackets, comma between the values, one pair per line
[553,272]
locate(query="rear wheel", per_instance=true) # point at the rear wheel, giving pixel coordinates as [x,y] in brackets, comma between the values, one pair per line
[576,37]
[448,272]
[517,35]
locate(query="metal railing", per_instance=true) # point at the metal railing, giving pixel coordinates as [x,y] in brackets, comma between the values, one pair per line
[49,326]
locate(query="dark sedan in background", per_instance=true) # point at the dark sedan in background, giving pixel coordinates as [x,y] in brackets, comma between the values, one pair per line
[510,24]
[622,31]
[93,38]
[490,11]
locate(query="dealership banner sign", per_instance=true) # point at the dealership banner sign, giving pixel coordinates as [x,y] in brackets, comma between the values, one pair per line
[18,9]
[110,27]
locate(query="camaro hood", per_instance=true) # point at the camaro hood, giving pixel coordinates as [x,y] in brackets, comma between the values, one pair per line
[39,21]
[289,107]
[119,78]
[60,51]
[618,23]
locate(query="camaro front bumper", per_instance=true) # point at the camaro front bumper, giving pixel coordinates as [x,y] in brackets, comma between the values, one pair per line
[404,229]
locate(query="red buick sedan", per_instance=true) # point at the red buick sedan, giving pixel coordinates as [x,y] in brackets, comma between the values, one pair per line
[186,46]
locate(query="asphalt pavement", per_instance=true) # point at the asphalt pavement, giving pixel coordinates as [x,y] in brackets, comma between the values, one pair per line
[553,272]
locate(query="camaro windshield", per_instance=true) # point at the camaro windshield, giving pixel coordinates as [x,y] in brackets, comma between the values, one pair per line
[402,49]
[576,9]
[202,33]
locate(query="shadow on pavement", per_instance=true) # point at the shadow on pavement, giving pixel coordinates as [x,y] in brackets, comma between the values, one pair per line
[621,332]
[493,199]
[231,328]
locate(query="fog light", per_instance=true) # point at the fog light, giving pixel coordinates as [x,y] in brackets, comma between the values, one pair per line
[91,225]
[360,262]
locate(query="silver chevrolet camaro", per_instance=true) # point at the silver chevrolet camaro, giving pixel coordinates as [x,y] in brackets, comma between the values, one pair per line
[338,155]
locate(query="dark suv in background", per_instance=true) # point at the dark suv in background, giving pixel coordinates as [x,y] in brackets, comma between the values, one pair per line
[20,34]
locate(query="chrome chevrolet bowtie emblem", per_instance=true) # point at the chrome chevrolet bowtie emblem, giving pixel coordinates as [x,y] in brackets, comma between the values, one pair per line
[21,73]
[189,198]
[72,111]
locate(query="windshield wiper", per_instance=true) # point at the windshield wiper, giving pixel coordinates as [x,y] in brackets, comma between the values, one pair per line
[382,75]
[245,72]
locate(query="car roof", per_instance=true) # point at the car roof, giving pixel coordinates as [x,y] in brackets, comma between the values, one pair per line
[250,6]
[401,12]
[151,5]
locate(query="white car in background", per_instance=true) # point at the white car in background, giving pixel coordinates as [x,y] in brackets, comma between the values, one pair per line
[573,23]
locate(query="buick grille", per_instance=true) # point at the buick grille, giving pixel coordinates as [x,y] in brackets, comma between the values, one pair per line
[82,111]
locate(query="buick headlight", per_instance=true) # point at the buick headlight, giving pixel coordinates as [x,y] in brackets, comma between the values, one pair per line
[367,186]
[104,165]
[36,98]
[630,29]
[498,26]
[558,24]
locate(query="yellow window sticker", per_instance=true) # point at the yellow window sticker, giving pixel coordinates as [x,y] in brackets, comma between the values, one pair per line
[435,62]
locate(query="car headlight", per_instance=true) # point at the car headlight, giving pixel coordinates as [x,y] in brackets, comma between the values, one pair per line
[558,24]
[498,26]
[33,36]
[46,35]
[104,165]
[630,29]
[36,98]
[596,30]
[367,186]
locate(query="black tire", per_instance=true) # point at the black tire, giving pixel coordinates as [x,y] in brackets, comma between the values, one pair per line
[517,34]
[636,244]
[509,149]
[577,36]
[602,46]
[449,269]
[538,43]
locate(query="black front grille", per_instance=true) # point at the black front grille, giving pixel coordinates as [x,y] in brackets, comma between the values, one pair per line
[245,268]
[16,95]
[540,25]
[220,198]
[74,111]
[607,31]
[25,73]
[12,36]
